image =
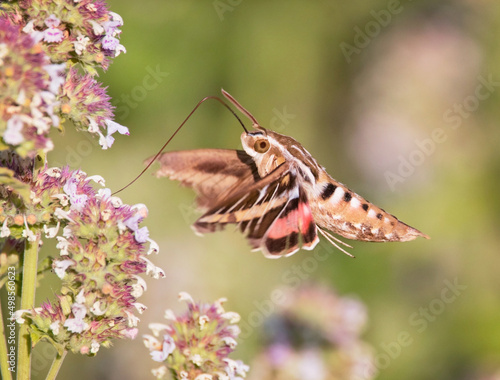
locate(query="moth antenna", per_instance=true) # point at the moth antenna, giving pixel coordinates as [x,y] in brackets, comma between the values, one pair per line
[241,108]
[178,129]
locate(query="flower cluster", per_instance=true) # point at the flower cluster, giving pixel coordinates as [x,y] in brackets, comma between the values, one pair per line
[86,103]
[315,335]
[50,51]
[82,31]
[102,252]
[42,43]
[196,345]
[339,320]
[29,85]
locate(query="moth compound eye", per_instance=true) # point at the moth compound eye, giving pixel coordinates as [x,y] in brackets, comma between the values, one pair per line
[261,146]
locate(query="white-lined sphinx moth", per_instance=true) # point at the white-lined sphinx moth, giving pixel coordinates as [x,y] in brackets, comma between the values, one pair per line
[277,194]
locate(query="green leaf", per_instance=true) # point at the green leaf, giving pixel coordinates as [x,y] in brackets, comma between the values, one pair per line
[36,336]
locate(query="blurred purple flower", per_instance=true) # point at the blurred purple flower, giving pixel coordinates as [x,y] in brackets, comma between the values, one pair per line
[197,343]
[53,35]
[315,334]
[29,89]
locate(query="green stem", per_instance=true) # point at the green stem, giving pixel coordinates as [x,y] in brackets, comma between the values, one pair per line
[56,365]
[30,261]
[4,365]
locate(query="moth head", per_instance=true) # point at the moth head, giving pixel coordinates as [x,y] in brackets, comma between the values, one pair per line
[262,148]
[255,143]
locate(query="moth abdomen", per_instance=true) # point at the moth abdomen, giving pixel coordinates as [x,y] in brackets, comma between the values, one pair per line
[347,214]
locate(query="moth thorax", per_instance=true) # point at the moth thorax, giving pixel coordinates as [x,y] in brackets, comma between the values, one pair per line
[267,162]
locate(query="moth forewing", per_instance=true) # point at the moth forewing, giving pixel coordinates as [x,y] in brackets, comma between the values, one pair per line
[214,174]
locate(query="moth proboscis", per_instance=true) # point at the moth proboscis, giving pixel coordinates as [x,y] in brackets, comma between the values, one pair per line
[276,193]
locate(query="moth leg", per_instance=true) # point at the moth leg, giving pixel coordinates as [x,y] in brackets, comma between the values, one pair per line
[332,239]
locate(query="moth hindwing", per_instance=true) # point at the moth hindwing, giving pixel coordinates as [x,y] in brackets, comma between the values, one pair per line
[276,193]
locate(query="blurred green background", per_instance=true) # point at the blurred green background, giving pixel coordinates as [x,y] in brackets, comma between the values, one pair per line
[397,99]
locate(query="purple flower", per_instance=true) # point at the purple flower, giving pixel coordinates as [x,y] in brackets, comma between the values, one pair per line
[168,346]
[113,44]
[61,266]
[196,344]
[236,369]
[52,21]
[105,141]
[111,28]
[133,221]
[81,43]
[79,310]
[31,98]
[115,127]
[88,105]
[5,231]
[13,135]
[56,73]
[77,200]
[279,354]
[116,18]
[130,333]
[120,49]
[76,325]
[70,187]
[89,27]
[110,43]
[53,35]
[323,327]
[142,235]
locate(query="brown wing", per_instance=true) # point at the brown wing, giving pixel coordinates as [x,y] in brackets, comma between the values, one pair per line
[273,214]
[256,201]
[214,174]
